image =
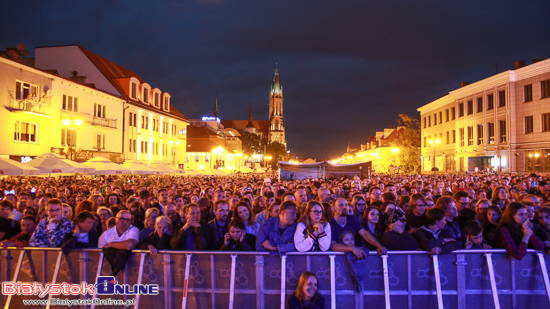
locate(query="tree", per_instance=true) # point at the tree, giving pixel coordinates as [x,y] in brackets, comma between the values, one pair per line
[277,151]
[251,144]
[409,142]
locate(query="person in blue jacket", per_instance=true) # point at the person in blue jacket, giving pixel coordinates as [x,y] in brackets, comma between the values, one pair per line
[276,234]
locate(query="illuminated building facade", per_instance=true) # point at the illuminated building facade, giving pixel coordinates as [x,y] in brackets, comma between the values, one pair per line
[378,150]
[76,103]
[499,123]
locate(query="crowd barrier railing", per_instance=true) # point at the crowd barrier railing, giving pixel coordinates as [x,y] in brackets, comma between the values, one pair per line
[207,279]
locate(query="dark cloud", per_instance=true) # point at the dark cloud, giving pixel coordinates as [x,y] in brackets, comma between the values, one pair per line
[348,68]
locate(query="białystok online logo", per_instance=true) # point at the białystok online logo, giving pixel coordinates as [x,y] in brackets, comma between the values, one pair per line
[105,285]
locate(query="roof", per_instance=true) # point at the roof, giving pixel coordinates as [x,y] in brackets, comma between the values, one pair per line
[199,131]
[114,72]
[260,125]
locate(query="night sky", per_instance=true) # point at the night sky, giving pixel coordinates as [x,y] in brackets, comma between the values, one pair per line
[348,68]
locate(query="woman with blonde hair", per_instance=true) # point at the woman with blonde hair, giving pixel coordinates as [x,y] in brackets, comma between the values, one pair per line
[97,200]
[160,238]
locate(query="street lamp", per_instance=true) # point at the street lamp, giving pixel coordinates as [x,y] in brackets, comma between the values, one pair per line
[267,159]
[72,126]
[173,151]
[434,143]
[395,151]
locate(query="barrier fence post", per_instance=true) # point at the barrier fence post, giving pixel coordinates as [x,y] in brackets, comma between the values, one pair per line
[98,273]
[167,262]
[386,280]
[140,278]
[260,283]
[283,280]
[332,282]
[437,282]
[489,258]
[461,280]
[186,282]
[15,276]
[544,271]
[55,274]
[232,282]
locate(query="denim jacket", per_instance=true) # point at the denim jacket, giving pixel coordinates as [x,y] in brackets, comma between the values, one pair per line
[270,231]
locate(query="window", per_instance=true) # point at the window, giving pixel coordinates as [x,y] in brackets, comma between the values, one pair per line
[157,99]
[528,93]
[146,95]
[68,137]
[100,110]
[143,147]
[435,119]
[133,92]
[133,120]
[470,107]
[174,129]
[165,150]
[545,89]
[70,103]
[491,132]
[470,136]
[501,98]
[452,113]
[528,124]
[429,121]
[479,105]
[454,136]
[131,145]
[99,141]
[447,115]
[145,122]
[545,120]
[490,101]
[460,109]
[130,118]
[448,137]
[197,158]
[479,134]
[502,131]
[25,90]
[424,122]
[425,142]
[461,135]
[440,117]
[25,132]
[166,102]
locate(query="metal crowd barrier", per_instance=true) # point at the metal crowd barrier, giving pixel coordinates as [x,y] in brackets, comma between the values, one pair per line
[402,279]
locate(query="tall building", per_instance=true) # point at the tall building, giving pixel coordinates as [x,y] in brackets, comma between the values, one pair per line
[499,123]
[272,130]
[73,102]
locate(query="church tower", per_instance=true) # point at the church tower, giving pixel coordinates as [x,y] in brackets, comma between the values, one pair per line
[276,126]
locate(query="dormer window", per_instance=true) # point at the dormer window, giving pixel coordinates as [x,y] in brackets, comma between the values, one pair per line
[133,92]
[134,88]
[157,98]
[166,102]
[145,93]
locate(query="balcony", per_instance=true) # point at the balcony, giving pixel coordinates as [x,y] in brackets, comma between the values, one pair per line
[103,122]
[30,107]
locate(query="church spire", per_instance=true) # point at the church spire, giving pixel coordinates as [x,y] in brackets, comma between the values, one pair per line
[250,124]
[215,112]
[276,87]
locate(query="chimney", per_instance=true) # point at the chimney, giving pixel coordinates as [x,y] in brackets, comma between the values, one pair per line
[464,84]
[535,60]
[519,64]
[78,79]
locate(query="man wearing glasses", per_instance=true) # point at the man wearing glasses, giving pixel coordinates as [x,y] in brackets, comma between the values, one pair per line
[51,230]
[123,236]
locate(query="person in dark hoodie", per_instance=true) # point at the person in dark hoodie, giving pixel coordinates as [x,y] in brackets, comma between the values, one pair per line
[83,236]
[237,239]
[192,235]
[429,235]
[396,237]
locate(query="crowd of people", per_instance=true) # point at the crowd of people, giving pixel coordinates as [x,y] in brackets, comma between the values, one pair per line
[437,213]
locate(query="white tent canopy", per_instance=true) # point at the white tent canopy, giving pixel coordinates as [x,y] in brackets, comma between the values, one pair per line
[137,167]
[167,169]
[104,166]
[14,168]
[51,163]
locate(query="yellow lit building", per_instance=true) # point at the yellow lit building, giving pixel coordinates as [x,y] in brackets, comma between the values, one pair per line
[378,150]
[499,123]
[76,103]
